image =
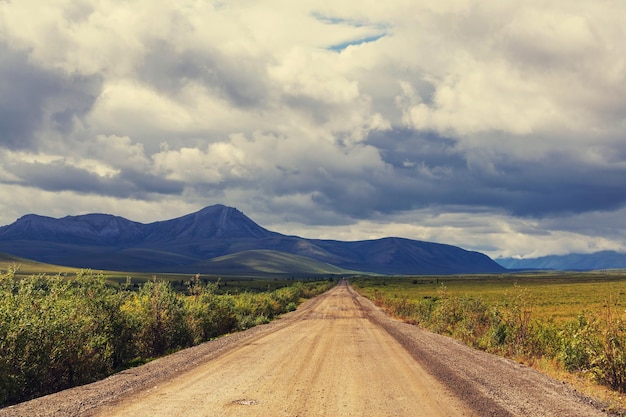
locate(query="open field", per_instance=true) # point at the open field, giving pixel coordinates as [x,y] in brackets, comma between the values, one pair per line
[557,296]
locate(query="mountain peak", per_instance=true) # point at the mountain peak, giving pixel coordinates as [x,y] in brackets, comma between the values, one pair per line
[216,207]
[217,221]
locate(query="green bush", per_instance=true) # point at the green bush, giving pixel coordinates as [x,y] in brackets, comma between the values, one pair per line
[579,343]
[57,332]
[608,363]
[210,315]
[157,316]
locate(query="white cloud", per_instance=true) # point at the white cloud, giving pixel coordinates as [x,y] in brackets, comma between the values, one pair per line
[549,37]
[302,73]
[220,161]
[127,106]
[120,151]
[470,102]
[530,70]
[266,158]
[90,165]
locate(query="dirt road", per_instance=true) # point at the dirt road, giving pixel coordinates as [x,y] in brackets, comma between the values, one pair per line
[338,355]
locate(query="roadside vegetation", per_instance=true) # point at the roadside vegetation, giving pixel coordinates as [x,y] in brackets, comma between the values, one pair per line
[58,331]
[574,322]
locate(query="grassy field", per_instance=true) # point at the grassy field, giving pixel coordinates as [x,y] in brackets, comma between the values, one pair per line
[557,296]
[26,267]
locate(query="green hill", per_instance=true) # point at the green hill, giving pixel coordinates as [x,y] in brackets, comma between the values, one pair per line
[267,262]
[29,267]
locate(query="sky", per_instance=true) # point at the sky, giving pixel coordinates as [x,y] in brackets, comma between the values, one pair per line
[496,126]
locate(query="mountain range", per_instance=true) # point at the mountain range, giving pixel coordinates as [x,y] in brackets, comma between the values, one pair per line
[222,240]
[572,261]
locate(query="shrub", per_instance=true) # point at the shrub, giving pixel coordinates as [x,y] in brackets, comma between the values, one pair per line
[210,315]
[609,361]
[579,342]
[157,314]
[57,332]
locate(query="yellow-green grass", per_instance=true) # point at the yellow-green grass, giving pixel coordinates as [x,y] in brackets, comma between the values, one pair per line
[553,295]
[26,267]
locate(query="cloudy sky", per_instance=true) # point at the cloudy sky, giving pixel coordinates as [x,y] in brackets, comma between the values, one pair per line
[496,126]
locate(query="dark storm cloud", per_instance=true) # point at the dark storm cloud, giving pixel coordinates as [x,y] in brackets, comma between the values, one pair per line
[32,99]
[150,183]
[58,176]
[23,88]
[429,171]
[403,149]
[609,224]
[556,184]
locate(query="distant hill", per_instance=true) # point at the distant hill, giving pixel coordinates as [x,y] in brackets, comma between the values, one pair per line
[202,242]
[572,262]
[30,267]
[268,262]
